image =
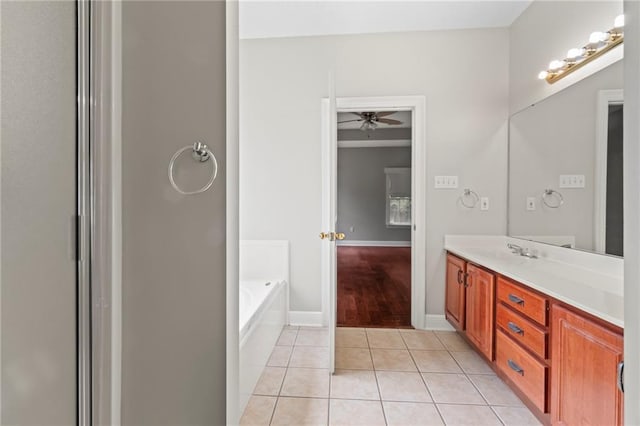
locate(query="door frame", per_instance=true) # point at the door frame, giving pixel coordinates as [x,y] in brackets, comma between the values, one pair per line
[605,98]
[417,106]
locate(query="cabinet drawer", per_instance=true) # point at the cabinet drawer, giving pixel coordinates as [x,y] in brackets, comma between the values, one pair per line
[523,300]
[522,330]
[528,374]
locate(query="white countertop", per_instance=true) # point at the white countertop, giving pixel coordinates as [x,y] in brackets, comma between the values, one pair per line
[590,282]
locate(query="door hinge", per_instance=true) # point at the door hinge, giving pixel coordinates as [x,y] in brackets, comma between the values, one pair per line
[621,376]
[74,221]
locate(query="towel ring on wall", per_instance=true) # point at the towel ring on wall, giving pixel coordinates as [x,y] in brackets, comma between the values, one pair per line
[552,193]
[469,194]
[201,153]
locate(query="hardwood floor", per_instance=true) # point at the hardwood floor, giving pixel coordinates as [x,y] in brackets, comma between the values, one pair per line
[374,287]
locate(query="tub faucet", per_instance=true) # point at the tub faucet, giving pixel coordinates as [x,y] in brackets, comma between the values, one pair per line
[520,251]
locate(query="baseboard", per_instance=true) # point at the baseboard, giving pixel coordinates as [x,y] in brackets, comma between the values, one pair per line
[355,243]
[437,322]
[305,318]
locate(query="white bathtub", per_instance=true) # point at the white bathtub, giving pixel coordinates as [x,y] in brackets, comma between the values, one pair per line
[259,302]
[264,305]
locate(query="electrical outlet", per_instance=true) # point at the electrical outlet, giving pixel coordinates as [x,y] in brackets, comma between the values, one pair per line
[484,203]
[531,203]
[572,181]
[446,182]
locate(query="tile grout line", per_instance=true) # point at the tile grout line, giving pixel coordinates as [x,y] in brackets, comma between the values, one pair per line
[471,381]
[427,387]
[498,416]
[286,371]
[375,376]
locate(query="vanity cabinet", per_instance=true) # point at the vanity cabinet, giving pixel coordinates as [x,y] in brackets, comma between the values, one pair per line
[522,339]
[560,360]
[586,356]
[455,291]
[470,294]
[480,291]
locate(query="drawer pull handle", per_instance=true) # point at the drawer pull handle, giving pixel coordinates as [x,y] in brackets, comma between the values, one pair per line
[621,376]
[515,299]
[460,276]
[515,328]
[515,367]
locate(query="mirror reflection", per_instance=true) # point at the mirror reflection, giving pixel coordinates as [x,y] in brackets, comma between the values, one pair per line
[565,166]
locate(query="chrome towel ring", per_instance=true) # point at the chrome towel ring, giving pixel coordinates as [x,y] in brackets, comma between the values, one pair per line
[550,194]
[201,153]
[469,194]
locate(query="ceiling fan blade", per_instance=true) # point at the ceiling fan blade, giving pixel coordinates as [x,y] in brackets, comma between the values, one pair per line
[389,121]
[384,113]
[359,114]
[349,121]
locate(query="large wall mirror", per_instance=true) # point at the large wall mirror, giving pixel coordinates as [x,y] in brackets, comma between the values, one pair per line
[565,166]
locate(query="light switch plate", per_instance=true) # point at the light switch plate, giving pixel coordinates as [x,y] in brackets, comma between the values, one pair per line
[446,182]
[572,181]
[531,203]
[484,203]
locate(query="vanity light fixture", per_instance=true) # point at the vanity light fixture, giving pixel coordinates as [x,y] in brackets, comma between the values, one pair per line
[599,44]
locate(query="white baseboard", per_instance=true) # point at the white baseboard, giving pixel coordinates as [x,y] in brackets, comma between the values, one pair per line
[305,318]
[437,322]
[355,243]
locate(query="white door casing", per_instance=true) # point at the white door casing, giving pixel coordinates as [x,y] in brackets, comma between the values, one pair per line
[417,105]
[605,98]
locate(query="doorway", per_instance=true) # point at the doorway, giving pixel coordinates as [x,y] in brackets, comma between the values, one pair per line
[374,213]
[330,107]
[608,221]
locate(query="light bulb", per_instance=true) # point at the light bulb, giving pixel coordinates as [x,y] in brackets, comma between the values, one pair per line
[575,54]
[543,75]
[598,37]
[555,65]
[619,22]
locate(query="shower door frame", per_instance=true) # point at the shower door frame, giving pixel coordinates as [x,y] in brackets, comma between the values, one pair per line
[98,222]
[84,220]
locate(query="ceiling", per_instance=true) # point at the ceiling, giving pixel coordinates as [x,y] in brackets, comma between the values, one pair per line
[296,18]
[404,116]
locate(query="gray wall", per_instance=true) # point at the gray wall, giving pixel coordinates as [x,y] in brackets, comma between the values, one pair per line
[362,193]
[632,211]
[38,199]
[174,315]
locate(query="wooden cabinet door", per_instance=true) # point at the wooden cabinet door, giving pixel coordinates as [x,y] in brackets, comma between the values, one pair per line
[454,297]
[584,362]
[480,309]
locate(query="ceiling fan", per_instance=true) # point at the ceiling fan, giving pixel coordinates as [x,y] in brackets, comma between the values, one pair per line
[370,120]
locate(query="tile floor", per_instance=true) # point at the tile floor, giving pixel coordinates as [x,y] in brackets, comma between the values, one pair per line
[383,377]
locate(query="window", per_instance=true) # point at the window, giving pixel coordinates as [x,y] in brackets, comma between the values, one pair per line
[398,196]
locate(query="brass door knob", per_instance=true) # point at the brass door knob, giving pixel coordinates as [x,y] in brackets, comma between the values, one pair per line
[324,235]
[340,236]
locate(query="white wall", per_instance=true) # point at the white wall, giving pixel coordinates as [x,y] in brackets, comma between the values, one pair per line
[464,76]
[546,31]
[552,138]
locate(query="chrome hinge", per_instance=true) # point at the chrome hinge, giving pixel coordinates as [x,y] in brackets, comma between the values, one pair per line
[74,220]
[621,376]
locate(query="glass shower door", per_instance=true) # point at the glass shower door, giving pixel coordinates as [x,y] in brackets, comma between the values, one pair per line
[38,209]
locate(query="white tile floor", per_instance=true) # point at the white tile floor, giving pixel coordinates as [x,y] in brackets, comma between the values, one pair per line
[383,377]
